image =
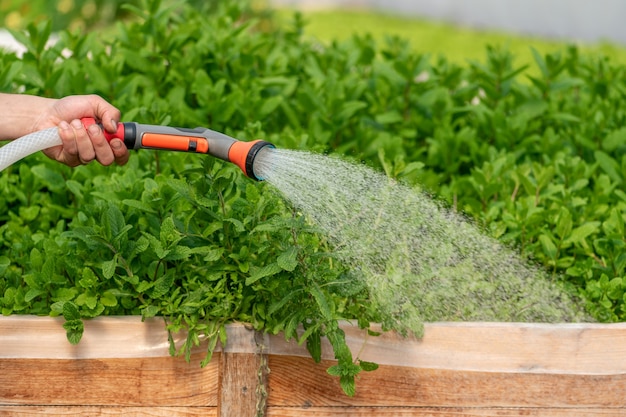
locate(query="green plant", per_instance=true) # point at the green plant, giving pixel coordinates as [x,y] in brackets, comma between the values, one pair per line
[537,162]
[171,235]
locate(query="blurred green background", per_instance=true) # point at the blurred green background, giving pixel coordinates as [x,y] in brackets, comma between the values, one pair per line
[457,44]
[70,14]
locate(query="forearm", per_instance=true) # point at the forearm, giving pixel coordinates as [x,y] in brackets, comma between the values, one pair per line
[19,114]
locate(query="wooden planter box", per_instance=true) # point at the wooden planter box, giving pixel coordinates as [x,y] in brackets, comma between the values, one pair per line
[122,367]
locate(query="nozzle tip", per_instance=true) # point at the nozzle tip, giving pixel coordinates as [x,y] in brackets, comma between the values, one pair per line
[243,155]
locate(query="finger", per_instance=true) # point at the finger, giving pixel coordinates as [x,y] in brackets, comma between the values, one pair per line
[119,151]
[67,153]
[102,150]
[86,152]
[106,113]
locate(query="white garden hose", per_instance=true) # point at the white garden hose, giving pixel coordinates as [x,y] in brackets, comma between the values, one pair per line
[29,144]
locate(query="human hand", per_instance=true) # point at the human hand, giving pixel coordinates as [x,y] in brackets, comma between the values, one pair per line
[81,146]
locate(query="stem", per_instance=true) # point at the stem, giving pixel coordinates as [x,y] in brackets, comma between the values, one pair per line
[156,270]
[220,198]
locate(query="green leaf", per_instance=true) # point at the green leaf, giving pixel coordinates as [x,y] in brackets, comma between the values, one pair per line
[348,385]
[169,234]
[113,221]
[259,273]
[564,117]
[144,286]
[162,285]
[239,227]
[580,233]
[29,214]
[70,311]
[608,165]
[334,370]
[32,294]
[87,299]
[149,311]
[348,109]
[108,267]
[210,254]
[4,264]
[322,301]
[288,259]
[52,179]
[142,244]
[389,117]
[270,105]
[140,205]
[178,253]
[564,223]
[614,225]
[89,278]
[74,330]
[75,187]
[36,258]
[157,246]
[548,246]
[313,343]
[614,140]
[108,299]
[368,366]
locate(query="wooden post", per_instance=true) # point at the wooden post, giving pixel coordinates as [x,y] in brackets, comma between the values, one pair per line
[243,382]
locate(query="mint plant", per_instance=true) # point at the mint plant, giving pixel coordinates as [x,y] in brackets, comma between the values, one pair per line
[537,161]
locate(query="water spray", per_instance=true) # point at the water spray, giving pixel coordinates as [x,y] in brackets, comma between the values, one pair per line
[144,136]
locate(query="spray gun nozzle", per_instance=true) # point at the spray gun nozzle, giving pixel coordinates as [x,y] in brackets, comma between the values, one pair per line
[198,140]
[243,155]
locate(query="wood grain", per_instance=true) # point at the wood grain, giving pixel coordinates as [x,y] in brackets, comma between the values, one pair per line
[440,412]
[79,411]
[584,349]
[110,382]
[299,382]
[239,389]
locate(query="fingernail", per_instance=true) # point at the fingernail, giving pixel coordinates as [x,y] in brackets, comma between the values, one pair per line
[116,144]
[114,124]
[64,125]
[94,129]
[77,124]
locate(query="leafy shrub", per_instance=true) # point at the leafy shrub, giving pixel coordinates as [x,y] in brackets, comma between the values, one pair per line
[537,162]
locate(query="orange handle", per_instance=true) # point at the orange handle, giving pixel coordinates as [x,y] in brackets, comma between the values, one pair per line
[174,142]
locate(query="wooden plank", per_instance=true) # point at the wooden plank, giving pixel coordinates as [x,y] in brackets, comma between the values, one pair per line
[243,381]
[56,411]
[34,337]
[123,382]
[238,385]
[299,382]
[62,411]
[440,412]
[490,347]
[103,337]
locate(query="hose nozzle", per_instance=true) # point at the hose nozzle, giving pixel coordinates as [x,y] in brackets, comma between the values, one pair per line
[243,155]
[198,140]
